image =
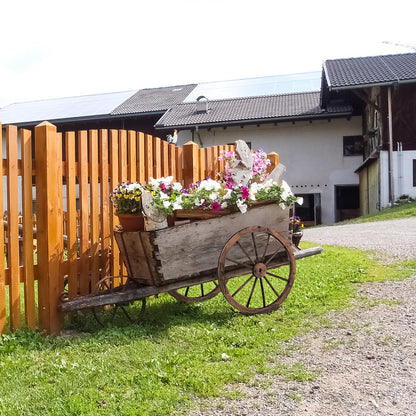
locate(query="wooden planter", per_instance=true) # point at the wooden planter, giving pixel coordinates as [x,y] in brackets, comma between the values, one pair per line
[191,250]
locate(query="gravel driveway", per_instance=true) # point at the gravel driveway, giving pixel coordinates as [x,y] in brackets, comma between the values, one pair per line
[366,358]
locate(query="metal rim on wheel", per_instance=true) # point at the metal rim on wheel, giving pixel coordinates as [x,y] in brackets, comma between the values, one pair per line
[106,314]
[256,270]
[196,293]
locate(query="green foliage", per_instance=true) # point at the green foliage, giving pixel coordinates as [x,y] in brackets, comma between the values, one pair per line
[178,351]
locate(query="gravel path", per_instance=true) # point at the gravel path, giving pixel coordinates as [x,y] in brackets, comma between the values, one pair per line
[366,357]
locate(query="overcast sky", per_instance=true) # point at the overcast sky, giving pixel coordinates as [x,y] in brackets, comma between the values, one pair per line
[52,48]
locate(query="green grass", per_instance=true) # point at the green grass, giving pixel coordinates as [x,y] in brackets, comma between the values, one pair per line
[403,210]
[179,351]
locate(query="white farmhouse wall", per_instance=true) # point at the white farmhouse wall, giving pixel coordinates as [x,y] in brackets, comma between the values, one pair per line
[402,175]
[311,152]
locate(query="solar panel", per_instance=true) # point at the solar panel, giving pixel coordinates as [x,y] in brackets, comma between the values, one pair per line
[251,87]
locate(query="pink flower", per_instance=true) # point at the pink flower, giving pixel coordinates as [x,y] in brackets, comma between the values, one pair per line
[244,192]
[216,206]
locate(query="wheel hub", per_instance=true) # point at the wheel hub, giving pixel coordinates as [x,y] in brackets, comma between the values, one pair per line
[259,270]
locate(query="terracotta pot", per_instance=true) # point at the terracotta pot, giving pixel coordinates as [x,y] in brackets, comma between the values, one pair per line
[131,222]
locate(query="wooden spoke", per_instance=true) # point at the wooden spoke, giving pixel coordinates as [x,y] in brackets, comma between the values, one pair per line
[245,252]
[255,247]
[109,314]
[265,248]
[271,286]
[277,276]
[242,286]
[196,293]
[275,254]
[255,292]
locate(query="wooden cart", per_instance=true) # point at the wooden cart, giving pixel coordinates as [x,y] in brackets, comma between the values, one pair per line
[248,257]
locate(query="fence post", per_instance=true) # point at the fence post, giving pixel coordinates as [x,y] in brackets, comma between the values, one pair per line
[48,156]
[190,163]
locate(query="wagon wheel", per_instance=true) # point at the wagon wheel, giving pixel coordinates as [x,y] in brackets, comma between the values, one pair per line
[108,313]
[196,293]
[256,270]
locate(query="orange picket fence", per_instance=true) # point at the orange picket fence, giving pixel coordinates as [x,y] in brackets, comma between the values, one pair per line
[57,216]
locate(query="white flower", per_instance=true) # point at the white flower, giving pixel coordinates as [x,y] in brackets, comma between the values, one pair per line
[210,185]
[225,356]
[164,196]
[131,187]
[198,203]
[241,206]
[176,186]
[300,200]
[224,205]
[227,195]
[177,205]
[286,191]
[213,196]
[167,204]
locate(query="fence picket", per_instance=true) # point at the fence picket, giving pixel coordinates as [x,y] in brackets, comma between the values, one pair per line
[105,205]
[13,226]
[115,261]
[71,217]
[28,246]
[3,317]
[94,208]
[84,284]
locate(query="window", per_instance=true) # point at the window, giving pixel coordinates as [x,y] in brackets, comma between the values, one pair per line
[353,145]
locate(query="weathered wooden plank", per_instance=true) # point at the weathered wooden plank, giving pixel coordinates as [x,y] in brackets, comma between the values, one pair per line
[71,207]
[85,302]
[29,279]
[13,226]
[301,254]
[196,247]
[138,256]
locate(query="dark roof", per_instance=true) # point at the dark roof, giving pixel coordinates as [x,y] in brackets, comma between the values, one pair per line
[154,99]
[251,109]
[370,70]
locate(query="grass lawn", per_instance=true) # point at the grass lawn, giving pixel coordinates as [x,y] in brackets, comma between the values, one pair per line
[403,210]
[179,351]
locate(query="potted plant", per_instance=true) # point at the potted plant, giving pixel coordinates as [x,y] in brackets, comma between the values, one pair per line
[127,202]
[297,235]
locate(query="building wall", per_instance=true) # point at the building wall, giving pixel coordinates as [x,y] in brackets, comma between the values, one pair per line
[311,152]
[402,174]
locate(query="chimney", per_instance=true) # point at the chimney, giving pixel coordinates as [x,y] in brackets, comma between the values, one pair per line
[202,105]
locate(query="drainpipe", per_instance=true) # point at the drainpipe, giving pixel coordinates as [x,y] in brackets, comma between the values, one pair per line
[391,173]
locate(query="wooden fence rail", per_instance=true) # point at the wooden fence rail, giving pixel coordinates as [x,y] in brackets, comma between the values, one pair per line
[58,220]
